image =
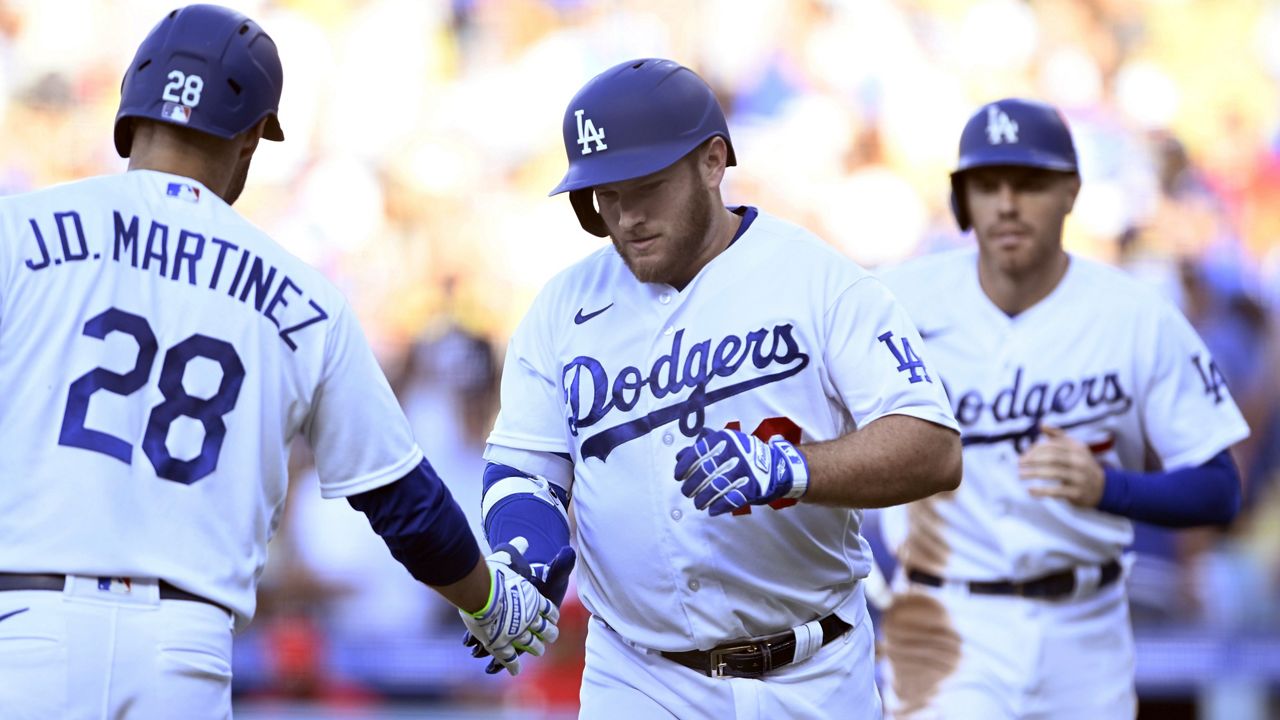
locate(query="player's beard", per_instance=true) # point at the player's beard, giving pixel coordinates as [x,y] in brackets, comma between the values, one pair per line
[1037,255]
[680,248]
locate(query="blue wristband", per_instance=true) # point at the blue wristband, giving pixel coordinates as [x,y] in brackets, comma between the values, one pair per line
[1207,494]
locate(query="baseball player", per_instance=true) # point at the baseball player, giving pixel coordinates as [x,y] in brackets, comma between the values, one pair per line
[158,354]
[716,392]
[1085,400]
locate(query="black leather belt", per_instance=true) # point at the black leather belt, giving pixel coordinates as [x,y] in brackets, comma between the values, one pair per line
[14,581]
[1049,587]
[753,658]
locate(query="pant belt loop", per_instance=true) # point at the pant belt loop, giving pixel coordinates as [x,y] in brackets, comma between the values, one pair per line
[1088,577]
[955,587]
[808,640]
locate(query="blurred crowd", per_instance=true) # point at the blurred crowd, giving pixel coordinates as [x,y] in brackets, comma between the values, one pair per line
[423,136]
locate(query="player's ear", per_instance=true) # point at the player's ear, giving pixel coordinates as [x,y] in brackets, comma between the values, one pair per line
[713,157]
[1072,190]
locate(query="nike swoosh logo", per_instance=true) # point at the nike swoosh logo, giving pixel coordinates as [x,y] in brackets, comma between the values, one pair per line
[580,318]
[8,615]
[926,334]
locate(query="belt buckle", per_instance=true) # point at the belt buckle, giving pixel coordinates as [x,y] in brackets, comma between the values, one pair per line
[718,655]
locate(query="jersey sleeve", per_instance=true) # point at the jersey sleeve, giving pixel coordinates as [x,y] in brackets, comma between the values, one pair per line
[877,360]
[7,255]
[357,431]
[1187,410]
[532,415]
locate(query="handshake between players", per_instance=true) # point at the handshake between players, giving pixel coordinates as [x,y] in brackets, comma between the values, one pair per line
[517,617]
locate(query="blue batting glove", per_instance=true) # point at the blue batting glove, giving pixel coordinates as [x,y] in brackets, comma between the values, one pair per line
[552,579]
[724,470]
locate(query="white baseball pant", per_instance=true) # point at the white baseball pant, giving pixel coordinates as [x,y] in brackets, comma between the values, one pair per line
[625,682]
[956,655]
[87,653]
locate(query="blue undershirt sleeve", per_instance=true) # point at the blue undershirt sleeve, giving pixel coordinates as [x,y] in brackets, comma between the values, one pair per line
[422,525]
[1207,494]
[517,504]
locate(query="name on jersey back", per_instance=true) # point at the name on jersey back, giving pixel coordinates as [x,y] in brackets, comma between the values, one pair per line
[181,256]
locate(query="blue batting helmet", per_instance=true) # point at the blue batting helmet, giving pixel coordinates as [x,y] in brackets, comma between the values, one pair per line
[631,120]
[204,67]
[1017,132]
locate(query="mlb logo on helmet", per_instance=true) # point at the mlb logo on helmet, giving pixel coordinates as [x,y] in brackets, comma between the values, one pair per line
[237,84]
[176,112]
[183,191]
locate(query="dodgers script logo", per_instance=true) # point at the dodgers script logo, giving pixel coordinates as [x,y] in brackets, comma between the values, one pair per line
[591,395]
[1098,396]
[1000,127]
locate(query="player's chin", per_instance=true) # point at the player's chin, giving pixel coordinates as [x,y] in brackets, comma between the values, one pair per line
[649,267]
[1014,261]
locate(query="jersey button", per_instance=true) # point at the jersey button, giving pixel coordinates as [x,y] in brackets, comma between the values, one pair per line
[668,331]
[664,298]
[668,439]
[694,585]
[676,515]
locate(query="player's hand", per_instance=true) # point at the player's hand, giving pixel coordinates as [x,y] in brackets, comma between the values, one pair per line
[724,470]
[517,617]
[1065,467]
[551,579]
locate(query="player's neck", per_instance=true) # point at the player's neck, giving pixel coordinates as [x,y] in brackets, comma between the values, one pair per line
[1014,292]
[724,226]
[216,181]
[208,160]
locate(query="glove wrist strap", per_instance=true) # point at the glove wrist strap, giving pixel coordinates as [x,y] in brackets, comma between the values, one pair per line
[799,468]
[493,596]
[799,485]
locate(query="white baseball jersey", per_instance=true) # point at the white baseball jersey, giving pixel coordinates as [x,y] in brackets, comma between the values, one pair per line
[778,335]
[158,353]
[1103,357]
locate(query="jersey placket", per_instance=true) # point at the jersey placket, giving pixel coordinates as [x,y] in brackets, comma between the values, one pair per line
[1009,521]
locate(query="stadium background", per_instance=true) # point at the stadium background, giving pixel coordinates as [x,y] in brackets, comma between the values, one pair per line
[423,136]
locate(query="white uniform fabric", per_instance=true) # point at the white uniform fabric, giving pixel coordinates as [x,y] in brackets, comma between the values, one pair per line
[958,656]
[1103,357]
[89,653]
[104,283]
[625,682]
[777,333]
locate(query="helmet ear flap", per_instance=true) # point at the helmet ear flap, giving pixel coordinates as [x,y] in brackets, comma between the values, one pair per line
[584,205]
[958,208]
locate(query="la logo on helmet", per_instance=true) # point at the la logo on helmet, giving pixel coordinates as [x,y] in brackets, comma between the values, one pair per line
[1000,127]
[587,134]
